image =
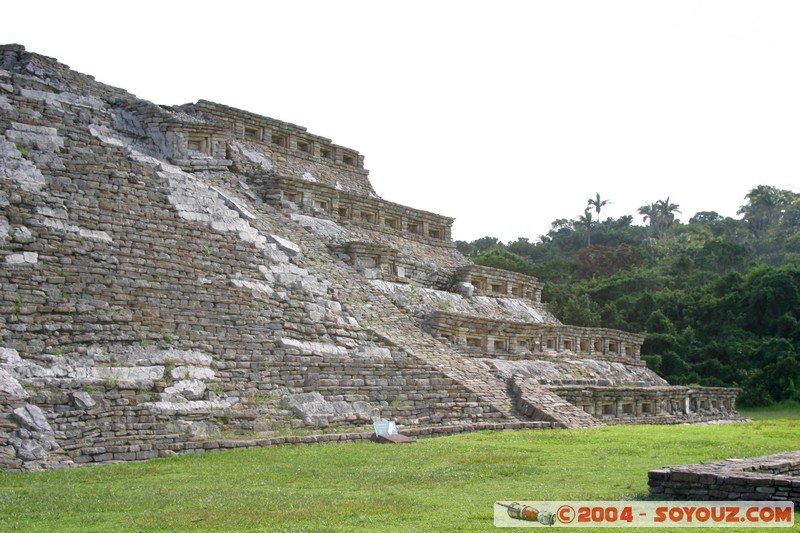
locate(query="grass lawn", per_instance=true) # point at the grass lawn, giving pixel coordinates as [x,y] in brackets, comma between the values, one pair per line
[787,409]
[441,484]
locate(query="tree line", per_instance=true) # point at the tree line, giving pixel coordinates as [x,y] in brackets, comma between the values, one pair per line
[717,298]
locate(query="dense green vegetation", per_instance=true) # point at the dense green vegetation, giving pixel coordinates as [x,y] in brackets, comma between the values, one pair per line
[718,299]
[443,484]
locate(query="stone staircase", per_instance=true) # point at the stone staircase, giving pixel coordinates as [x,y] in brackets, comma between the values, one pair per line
[538,403]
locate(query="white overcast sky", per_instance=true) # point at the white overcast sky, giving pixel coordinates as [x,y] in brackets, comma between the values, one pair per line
[506,115]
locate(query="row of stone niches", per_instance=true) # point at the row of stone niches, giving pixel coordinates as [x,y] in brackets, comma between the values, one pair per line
[522,339]
[620,409]
[490,281]
[327,152]
[371,260]
[601,406]
[333,154]
[344,207]
[498,287]
[274,137]
[515,345]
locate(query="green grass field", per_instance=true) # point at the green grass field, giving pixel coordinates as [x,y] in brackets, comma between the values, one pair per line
[790,410]
[441,484]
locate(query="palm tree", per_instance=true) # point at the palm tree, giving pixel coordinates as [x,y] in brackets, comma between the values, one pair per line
[598,204]
[667,211]
[586,220]
[649,212]
[764,208]
[661,215]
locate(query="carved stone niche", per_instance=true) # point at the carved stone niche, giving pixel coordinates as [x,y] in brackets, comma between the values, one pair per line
[304,146]
[322,204]
[391,222]
[368,266]
[253,133]
[279,139]
[199,143]
[371,260]
[368,216]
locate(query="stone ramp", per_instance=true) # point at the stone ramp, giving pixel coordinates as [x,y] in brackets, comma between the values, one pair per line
[541,404]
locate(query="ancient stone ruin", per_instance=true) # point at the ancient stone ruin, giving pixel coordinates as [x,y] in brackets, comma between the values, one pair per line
[773,477]
[180,279]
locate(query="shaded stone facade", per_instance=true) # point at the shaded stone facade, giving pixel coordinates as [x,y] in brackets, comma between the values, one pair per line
[173,273]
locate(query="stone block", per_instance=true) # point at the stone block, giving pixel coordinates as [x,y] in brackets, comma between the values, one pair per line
[10,387]
[659,475]
[25,258]
[286,246]
[191,389]
[32,418]
[82,400]
[148,454]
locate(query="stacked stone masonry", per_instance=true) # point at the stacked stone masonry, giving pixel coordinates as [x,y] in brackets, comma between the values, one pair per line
[174,274]
[773,477]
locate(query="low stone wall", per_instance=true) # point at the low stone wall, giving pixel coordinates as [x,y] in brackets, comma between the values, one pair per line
[113,450]
[773,477]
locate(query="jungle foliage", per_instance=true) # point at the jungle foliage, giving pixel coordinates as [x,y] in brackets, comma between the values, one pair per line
[717,298]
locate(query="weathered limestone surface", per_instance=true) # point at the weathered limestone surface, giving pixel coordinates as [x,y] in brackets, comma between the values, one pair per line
[10,387]
[316,411]
[427,301]
[772,477]
[170,273]
[575,371]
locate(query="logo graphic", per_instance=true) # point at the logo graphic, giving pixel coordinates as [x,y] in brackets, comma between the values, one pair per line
[641,514]
[518,511]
